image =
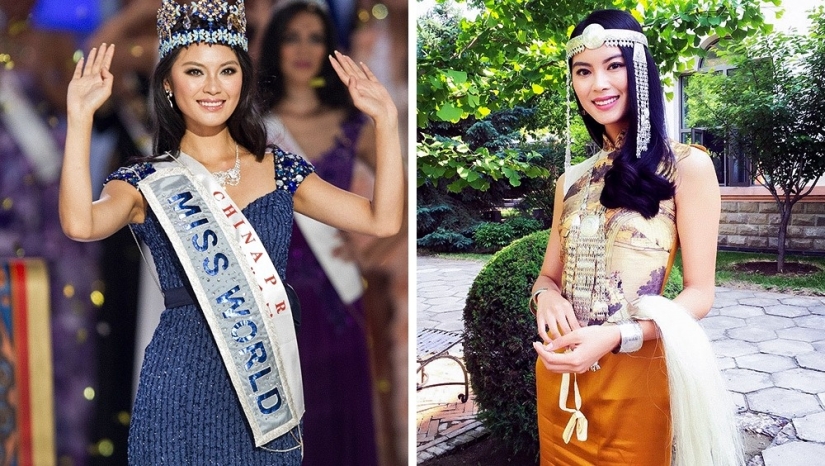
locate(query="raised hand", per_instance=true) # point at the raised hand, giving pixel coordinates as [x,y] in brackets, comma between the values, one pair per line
[91,83]
[367,93]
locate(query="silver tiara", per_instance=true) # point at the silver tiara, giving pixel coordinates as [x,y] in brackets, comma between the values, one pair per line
[201,21]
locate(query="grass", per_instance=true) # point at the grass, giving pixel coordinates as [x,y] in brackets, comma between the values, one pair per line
[811,284]
[464,256]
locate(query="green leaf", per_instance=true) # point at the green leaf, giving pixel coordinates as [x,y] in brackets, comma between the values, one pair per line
[458,77]
[449,112]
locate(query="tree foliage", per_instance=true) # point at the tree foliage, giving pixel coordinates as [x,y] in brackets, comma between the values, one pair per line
[514,49]
[772,110]
[512,54]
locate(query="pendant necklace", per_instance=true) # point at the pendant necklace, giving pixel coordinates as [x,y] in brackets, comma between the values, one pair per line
[232,176]
[585,275]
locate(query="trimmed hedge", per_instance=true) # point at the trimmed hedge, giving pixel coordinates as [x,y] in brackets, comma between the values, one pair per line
[498,335]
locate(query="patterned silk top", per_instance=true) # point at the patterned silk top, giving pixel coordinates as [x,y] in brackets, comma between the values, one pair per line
[637,252]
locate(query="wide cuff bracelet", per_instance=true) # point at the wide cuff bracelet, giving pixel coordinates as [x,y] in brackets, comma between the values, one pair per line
[632,337]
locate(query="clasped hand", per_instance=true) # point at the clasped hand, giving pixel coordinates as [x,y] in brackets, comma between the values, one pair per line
[368,94]
[567,346]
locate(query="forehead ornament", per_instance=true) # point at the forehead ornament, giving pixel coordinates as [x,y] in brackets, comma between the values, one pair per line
[595,36]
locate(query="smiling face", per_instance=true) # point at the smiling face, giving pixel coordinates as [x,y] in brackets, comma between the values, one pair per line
[303,49]
[206,81]
[599,79]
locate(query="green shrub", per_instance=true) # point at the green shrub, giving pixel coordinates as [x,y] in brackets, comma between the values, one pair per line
[498,335]
[428,217]
[523,226]
[470,231]
[674,283]
[442,240]
[493,236]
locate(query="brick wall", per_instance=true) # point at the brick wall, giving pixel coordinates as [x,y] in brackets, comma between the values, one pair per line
[754,225]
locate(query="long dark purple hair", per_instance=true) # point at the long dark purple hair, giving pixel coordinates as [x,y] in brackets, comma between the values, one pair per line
[634,183]
[333,93]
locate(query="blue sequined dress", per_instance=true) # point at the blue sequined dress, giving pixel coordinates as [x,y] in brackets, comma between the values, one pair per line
[186,411]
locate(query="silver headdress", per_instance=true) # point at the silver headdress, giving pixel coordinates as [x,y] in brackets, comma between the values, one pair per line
[201,21]
[595,36]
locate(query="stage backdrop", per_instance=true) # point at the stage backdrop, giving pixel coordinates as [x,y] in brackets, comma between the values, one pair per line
[26,395]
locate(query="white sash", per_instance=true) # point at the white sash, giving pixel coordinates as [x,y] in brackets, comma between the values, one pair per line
[238,289]
[29,130]
[322,238]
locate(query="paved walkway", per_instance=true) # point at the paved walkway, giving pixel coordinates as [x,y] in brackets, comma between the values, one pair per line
[771,349]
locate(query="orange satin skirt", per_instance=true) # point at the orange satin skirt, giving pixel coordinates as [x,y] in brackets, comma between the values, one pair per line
[627,406]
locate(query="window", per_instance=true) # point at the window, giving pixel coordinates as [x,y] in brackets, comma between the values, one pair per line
[730,163]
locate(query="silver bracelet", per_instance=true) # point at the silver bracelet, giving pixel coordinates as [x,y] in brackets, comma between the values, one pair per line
[632,337]
[533,304]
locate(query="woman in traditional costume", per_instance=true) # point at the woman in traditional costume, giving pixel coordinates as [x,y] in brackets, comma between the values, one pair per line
[221,381]
[312,115]
[627,371]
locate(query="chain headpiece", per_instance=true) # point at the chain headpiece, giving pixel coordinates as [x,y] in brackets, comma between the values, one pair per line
[595,36]
[201,21]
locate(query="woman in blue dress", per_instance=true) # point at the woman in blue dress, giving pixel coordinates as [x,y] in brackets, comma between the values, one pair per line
[205,111]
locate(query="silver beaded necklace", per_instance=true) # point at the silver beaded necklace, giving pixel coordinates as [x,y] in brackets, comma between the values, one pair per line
[232,176]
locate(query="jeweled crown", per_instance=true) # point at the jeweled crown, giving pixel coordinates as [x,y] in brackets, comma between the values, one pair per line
[201,21]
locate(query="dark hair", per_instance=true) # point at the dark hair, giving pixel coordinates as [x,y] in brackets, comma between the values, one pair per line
[333,93]
[246,124]
[634,183]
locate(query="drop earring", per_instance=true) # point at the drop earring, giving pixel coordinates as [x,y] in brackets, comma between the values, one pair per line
[169,96]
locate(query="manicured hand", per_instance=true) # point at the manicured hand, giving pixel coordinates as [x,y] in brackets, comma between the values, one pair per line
[91,83]
[554,316]
[368,95]
[581,348]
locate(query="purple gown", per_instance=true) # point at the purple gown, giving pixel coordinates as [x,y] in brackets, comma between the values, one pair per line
[338,424]
[30,227]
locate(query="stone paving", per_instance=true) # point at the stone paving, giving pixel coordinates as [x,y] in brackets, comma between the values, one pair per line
[770,348]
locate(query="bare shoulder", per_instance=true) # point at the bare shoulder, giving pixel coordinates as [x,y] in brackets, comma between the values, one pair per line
[560,182]
[693,165]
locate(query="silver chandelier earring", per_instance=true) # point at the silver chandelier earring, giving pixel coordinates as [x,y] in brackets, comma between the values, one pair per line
[169,96]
